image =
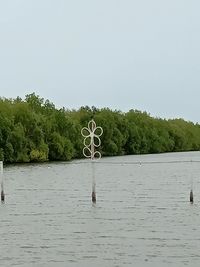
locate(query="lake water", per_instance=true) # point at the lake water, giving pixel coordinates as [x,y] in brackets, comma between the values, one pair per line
[142,217]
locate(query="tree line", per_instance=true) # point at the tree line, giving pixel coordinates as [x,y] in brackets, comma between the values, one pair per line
[34,130]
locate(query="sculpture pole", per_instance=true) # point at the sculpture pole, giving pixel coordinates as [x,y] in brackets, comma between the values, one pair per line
[91,141]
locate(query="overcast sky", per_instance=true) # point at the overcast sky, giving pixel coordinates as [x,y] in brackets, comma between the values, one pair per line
[122,54]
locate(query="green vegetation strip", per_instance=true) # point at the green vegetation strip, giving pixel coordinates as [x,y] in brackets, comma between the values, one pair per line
[34,130]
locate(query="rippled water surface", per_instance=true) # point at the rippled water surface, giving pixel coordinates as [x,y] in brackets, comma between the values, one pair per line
[142,217]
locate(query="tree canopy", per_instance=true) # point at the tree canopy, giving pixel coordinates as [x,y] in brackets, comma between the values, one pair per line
[33,130]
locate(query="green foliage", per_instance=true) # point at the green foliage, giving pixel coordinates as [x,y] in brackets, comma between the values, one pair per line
[33,130]
[38,155]
[60,148]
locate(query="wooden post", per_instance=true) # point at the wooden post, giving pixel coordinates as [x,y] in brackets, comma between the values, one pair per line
[1,179]
[191,197]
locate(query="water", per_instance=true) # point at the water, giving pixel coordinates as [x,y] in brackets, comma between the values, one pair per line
[142,217]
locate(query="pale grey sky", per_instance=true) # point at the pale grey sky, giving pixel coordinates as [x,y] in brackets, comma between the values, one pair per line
[122,54]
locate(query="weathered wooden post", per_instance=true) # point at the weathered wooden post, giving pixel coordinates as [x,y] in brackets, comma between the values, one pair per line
[191,191]
[91,141]
[1,180]
[191,197]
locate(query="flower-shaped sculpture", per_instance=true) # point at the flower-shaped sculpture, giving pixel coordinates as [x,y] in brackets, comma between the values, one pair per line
[91,140]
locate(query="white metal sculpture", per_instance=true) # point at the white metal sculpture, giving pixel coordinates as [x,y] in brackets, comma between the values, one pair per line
[91,141]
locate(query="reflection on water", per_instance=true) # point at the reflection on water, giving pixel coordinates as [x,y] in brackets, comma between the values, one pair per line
[143,216]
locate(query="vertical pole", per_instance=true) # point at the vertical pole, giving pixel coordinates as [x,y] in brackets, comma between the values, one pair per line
[91,141]
[191,190]
[2,189]
[94,199]
[191,197]
[92,160]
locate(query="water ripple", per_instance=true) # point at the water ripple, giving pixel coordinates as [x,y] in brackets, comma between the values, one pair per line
[142,216]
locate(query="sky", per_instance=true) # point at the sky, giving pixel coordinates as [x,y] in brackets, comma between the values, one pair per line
[121,54]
